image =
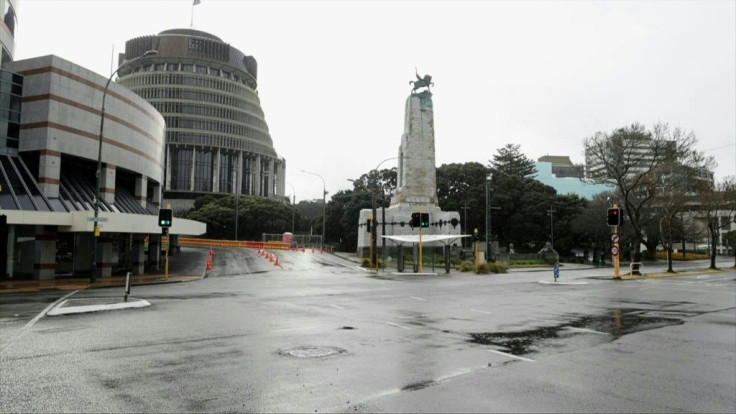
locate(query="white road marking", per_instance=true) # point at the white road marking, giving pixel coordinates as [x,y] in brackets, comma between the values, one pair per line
[301,328]
[510,355]
[397,325]
[418,298]
[336,306]
[34,320]
[480,311]
[586,330]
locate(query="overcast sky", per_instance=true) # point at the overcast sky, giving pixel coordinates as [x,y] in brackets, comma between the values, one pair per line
[333,75]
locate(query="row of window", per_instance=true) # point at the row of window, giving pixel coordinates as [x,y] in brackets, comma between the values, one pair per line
[150,93]
[11,91]
[184,162]
[216,126]
[192,68]
[206,140]
[206,82]
[171,108]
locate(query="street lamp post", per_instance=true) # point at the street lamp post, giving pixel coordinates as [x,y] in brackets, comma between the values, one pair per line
[96,204]
[465,219]
[324,205]
[293,206]
[489,246]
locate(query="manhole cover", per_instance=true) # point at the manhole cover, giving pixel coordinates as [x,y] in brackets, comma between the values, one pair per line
[312,351]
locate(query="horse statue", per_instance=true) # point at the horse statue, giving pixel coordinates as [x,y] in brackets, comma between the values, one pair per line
[424,82]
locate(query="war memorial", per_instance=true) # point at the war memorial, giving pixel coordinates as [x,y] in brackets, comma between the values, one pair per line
[416,189]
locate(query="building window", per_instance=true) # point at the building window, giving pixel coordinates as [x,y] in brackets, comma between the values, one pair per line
[9,17]
[181,168]
[245,181]
[227,166]
[203,167]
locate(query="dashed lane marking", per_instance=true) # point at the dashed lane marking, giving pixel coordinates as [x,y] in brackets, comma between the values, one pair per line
[586,330]
[480,311]
[418,298]
[336,306]
[397,325]
[510,355]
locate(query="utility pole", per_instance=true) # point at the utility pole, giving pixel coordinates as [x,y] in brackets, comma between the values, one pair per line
[551,213]
[465,219]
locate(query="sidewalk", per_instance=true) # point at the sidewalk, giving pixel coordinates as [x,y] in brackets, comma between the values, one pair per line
[184,267]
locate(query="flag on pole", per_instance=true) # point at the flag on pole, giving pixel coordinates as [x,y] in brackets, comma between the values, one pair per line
[196,2]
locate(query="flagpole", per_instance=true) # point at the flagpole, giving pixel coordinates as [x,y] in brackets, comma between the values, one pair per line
[191,22]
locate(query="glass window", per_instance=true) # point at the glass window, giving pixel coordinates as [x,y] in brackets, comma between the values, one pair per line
[160,67]
[201,69]
[181,168]
[172,67]
[203,166]
[187,67]
[215,72]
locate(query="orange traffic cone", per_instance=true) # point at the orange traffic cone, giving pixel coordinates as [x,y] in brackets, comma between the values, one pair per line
[276,263]
[270,257]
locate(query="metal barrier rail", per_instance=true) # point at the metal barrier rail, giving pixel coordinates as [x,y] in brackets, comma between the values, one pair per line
[185,241]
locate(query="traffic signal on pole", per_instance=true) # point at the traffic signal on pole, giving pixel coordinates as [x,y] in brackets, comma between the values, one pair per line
[415,219]
[615,216]
[425,220]
[368,225]
[165,217]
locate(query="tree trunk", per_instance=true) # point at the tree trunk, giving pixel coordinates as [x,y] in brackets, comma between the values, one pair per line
[637,252]
[713,235]
[669,259]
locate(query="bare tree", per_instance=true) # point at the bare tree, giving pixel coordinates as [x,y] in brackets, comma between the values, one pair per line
[678,184]
[633,159]
[718,203]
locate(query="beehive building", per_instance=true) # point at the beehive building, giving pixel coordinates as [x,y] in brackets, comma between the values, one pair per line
[217,139]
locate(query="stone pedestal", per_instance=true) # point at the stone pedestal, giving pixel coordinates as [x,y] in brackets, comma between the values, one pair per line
[416,184]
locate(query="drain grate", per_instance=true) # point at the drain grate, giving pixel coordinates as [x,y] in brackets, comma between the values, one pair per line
[312,351]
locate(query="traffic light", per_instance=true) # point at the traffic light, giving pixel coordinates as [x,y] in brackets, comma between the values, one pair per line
[415,219]
[615,216]
[425,220]
[368,225]
[165,216]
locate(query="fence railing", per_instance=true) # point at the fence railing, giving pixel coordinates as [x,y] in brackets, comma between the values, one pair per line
[186,241]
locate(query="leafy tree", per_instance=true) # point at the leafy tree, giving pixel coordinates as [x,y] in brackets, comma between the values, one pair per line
[522,202]
[590,228]
[511,161]
[256,216]
[461,187]
[632,158]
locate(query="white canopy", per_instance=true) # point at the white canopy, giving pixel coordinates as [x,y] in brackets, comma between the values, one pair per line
[411,238]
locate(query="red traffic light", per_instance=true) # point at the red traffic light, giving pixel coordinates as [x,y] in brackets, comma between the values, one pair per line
[615,218]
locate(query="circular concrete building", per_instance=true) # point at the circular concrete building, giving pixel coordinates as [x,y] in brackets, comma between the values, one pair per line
[217,139]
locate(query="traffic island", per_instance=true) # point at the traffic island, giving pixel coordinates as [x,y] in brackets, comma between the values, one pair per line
[86,305]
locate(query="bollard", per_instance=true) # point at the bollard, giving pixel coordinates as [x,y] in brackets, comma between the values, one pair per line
[127,286]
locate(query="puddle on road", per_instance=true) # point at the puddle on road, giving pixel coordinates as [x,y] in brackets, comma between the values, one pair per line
[602,328]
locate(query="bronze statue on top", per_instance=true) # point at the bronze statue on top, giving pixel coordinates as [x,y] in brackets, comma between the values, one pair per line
[424,82]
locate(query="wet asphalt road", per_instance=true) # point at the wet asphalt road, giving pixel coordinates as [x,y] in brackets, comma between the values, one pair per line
[321,335]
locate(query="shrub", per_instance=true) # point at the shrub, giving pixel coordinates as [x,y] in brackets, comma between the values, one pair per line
[498,267]
[678,256]
[365,263]
[484,268]
[466,266]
